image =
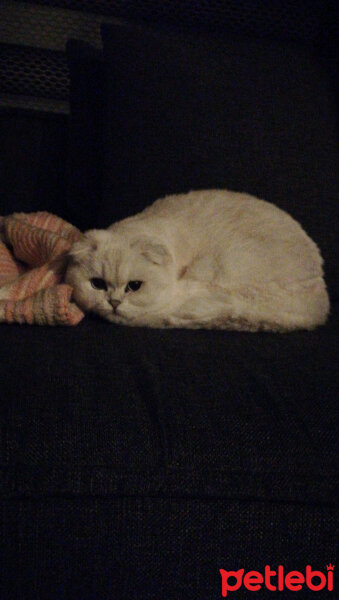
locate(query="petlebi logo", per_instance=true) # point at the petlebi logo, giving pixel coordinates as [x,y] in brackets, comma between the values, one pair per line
[277,580]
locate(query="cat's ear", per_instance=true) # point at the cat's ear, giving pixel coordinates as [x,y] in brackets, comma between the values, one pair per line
[154,251]
[86,244]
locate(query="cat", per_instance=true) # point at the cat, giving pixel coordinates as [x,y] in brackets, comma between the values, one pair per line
[211,259]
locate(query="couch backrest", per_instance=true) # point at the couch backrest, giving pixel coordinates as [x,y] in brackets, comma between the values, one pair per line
[34,77]
[33,34]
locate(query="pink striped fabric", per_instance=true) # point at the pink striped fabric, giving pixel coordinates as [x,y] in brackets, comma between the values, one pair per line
[33,250]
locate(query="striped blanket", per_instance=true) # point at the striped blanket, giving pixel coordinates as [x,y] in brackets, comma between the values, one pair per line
[33,249]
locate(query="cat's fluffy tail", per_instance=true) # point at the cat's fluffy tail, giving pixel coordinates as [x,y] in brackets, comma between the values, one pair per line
[272,307]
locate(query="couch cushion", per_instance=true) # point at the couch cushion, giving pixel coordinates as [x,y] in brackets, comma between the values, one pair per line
[150,548]
[101,409]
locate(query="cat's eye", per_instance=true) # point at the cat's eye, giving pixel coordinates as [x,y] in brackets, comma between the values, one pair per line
[98,284]
[133,286]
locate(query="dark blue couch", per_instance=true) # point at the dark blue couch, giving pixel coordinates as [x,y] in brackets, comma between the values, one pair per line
[136,463]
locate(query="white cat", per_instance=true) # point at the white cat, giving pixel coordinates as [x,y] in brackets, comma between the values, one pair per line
[207,259]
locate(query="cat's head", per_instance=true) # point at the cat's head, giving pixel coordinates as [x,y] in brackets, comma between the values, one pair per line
[118,278]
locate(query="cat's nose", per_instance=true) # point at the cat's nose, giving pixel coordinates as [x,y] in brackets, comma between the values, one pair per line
[114,303]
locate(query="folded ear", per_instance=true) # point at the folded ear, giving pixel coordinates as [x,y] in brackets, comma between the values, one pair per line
[152,250]
[86,244]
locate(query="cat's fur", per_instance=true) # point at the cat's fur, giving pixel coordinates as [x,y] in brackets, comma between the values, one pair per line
[207,259]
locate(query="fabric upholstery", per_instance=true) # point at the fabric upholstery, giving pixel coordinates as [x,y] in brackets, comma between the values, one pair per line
[145,548]
[86,144]
[33,146]
[129,410]
[142,461]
